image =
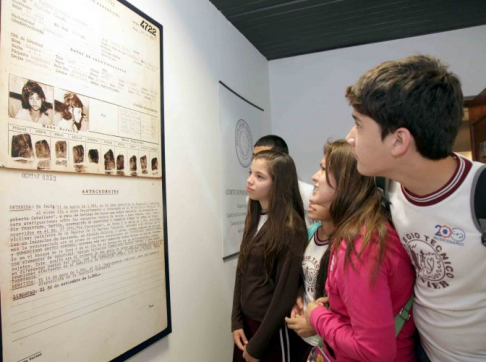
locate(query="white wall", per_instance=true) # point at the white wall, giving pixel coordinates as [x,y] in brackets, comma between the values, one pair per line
[200,48]
[307,92]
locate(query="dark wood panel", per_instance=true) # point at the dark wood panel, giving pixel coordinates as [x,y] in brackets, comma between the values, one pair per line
[477,120]
[479,100]
[478,136]
[282,28]
[347,40]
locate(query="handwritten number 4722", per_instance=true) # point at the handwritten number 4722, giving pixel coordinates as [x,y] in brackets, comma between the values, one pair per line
[148,27]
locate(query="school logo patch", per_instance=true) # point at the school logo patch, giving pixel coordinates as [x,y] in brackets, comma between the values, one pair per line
[450,235]
[432,264]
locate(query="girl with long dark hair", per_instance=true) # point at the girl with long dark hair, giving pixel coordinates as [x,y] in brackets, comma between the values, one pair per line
[267,275]
[34,107]
[368,277]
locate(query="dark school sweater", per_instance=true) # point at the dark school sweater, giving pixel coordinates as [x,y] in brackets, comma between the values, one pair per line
[269,302]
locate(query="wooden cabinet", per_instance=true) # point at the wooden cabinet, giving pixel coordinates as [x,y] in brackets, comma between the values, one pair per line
[477,122]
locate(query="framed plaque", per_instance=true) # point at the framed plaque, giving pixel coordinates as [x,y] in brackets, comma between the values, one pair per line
[83,250]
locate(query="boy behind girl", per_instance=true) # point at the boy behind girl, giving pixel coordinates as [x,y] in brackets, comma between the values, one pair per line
[407,115]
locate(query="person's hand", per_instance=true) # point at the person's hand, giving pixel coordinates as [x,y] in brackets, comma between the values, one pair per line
[249,358]
[321,302]
[300,326]
[298,308]
[240,339]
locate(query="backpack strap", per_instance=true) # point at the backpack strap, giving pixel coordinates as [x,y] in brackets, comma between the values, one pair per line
[478,201]
[311,230]
[403,316]
[383,184]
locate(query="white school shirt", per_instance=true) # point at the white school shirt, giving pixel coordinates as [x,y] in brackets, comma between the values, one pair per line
[310,268]
[441,238]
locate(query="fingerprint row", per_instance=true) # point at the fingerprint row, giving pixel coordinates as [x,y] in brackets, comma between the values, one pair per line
[22,150]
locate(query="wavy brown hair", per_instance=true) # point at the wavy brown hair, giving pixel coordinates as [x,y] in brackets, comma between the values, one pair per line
[356,209]
[29,88]
[71,100]
[285,214]
[320,290]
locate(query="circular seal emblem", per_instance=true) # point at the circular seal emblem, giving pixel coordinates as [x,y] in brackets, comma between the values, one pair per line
[243,143]
[429,262]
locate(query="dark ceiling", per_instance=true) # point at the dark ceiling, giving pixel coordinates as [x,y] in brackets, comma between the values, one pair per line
[284,28]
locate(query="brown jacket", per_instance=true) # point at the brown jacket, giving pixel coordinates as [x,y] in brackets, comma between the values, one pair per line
[267,302]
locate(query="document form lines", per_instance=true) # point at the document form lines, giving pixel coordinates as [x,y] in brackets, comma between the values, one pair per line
[94,310]
[85,299]
[91,290]
[107,272]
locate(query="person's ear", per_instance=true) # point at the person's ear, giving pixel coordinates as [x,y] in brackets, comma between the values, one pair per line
[401,140]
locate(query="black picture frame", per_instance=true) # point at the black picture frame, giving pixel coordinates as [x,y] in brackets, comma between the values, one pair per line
[131,351]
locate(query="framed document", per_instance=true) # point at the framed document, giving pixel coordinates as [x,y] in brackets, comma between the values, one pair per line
[240,126]
[83,249]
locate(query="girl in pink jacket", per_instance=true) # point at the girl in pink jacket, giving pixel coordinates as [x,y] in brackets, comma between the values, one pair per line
[370,277]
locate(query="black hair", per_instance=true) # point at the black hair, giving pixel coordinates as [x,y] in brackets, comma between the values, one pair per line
[275,142]
[417,93]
